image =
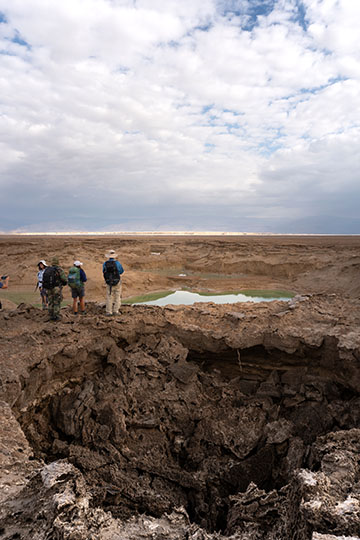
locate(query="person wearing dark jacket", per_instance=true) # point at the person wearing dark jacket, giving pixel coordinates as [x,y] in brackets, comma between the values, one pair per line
[112,270]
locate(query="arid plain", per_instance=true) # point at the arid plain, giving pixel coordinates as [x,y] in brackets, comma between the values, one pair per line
[302,264]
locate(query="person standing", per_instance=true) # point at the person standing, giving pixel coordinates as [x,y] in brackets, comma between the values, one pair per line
[43,294]
[76,282]
[54,278]
[4,283]
[112,271]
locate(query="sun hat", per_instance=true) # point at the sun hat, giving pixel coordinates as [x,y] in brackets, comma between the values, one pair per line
[42,262]
[78,263]
[55,260]
[111,254]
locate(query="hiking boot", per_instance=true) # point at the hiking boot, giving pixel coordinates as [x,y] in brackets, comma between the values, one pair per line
[108,314]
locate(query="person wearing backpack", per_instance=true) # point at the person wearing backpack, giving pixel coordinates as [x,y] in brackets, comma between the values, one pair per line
[112,270]
[76,280]
[53,279]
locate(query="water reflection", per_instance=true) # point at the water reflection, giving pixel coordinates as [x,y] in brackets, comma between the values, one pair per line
[187,298]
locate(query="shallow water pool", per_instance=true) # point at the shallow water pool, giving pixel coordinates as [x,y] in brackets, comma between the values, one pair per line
[187,298]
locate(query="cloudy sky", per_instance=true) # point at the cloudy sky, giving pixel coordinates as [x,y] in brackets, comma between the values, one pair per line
[238,115]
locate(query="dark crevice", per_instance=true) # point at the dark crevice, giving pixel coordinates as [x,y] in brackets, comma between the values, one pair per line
[150,437]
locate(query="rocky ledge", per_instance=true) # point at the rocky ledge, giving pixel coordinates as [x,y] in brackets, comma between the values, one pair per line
[204,422]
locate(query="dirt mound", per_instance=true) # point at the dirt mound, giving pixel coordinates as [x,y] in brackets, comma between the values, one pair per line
[233,421]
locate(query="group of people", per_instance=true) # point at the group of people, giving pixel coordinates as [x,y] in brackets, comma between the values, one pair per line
[51,279]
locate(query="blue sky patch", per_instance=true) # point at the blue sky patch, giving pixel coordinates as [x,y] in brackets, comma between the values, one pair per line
[234,113]
[271,144]
[204,27]
[232,127]
[316,89]
[249,11]
[300,16]
[209,147]
[206,109]
[19,40]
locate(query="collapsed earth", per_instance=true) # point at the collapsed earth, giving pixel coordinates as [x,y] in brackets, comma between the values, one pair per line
[237,421]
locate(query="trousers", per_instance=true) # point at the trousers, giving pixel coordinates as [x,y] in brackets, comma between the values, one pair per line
[55,297]
[113,298]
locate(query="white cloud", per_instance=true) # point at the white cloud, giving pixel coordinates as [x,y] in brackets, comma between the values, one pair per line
[334,24]
[175,103]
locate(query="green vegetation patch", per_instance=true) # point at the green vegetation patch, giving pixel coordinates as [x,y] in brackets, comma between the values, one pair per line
[262,293]
[266,293]
[24,297]
[147,297]
[21,297]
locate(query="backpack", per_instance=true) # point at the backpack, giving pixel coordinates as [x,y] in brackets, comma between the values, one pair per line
[111,273]
[73,279]
[51,277]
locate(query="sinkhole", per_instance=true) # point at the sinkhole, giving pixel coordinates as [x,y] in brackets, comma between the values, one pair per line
[156,426]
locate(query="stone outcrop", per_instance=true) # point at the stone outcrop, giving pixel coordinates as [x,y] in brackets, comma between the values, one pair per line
[237,421]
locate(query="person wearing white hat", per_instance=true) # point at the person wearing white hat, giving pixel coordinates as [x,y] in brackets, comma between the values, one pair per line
[76,281]
[43,294]
[112,270]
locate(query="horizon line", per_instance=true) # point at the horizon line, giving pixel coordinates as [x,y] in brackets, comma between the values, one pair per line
[165,233]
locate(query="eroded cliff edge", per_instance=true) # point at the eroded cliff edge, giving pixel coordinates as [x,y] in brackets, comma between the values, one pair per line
[238,421]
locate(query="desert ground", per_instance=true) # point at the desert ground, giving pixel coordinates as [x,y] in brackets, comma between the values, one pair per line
[302,264]
[204,422]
